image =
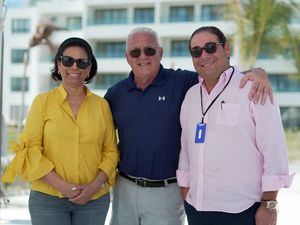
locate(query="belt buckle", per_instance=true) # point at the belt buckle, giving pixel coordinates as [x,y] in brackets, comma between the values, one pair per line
[141,182]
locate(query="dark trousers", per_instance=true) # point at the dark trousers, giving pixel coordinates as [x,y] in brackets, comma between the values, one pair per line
[195,217]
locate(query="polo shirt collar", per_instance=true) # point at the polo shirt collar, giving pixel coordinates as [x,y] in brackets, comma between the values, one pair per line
[158,81]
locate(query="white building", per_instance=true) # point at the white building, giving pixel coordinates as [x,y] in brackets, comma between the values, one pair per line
[105,25]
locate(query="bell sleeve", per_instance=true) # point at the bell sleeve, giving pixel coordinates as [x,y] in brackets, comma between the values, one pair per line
[29,163]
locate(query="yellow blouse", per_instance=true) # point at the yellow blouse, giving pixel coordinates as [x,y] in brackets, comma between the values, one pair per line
[75,148]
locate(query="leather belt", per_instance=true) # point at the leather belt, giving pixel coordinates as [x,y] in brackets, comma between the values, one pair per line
[143,182]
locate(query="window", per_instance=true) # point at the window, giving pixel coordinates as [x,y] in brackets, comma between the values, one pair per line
[181,13]
[20,26]
[112,16]
[290,117]
[73,23]
[14,112]
[213,12]
[48,83]
[104,81]
[283,83]
[180,48]
[53,19]
[17,55]
[16,83]
[144,15]
[287,53]
[110,49]
[294,18]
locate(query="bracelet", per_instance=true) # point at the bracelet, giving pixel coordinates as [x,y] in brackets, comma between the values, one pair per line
[264,200]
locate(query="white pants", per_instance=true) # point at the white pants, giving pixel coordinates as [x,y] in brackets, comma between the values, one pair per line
[136,205]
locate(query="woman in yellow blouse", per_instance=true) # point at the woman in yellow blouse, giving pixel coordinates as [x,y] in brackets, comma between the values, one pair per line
[68,147]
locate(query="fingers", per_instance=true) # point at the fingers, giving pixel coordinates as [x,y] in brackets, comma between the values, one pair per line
[70,190]
[267,92]
[270,93]
[72,193]
[244,81]
[253,91]
[260,92]
[258,96]
[78,187]
[86,193]
[261,88]
[75,191]
[78,200]
[81,199]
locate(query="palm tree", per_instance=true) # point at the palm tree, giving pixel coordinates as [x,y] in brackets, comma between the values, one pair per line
[261,25]
[42,36]
[291,42]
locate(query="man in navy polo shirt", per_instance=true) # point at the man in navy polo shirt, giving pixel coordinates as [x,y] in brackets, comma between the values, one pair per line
[146,108]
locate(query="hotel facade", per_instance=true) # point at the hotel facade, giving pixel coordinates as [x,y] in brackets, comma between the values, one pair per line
[105,25]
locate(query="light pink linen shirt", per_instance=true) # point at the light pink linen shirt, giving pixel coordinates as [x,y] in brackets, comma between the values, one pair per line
[244,153]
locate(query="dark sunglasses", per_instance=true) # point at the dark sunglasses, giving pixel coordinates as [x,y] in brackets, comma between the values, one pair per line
[68,61]
[135,53]
[209,47]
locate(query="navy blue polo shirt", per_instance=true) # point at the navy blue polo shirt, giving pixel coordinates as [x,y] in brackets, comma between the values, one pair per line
[148,122]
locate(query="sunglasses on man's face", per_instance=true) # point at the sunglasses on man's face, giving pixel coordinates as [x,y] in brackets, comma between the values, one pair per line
[135,53]
[209,47]
[68,61]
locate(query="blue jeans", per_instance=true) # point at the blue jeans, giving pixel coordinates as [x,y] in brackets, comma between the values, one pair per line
[195,217]
[50,210]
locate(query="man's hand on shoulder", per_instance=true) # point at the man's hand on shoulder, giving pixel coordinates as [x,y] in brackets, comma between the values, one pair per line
[261,87]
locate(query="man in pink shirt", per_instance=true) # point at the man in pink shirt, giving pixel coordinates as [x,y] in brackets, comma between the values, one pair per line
[233,159]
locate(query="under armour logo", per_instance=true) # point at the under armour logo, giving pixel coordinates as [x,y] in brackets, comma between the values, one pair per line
[161,98]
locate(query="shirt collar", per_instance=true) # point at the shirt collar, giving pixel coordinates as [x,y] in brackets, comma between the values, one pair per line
[64,94]
[223,79]
[158,81]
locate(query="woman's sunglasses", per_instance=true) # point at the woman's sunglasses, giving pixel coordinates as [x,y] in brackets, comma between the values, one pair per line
[209,47]
[68,61]
[135,53]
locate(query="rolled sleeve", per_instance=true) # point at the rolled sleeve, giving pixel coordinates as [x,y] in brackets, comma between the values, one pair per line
[271,143]
[274,182]
[110,171]
[183,178]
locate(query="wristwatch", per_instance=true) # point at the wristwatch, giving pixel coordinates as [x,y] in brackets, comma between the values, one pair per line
[269,204]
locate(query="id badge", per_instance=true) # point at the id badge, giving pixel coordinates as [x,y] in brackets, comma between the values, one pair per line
[200,133]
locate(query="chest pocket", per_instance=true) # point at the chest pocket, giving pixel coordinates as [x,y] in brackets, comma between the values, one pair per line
[229,114]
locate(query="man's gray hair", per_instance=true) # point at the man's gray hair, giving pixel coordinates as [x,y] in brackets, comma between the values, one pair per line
[142,30]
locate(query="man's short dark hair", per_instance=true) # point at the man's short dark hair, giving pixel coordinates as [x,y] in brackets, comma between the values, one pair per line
[210,29]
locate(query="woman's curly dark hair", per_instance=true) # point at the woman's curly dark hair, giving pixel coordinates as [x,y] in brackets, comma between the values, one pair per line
[78,42]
